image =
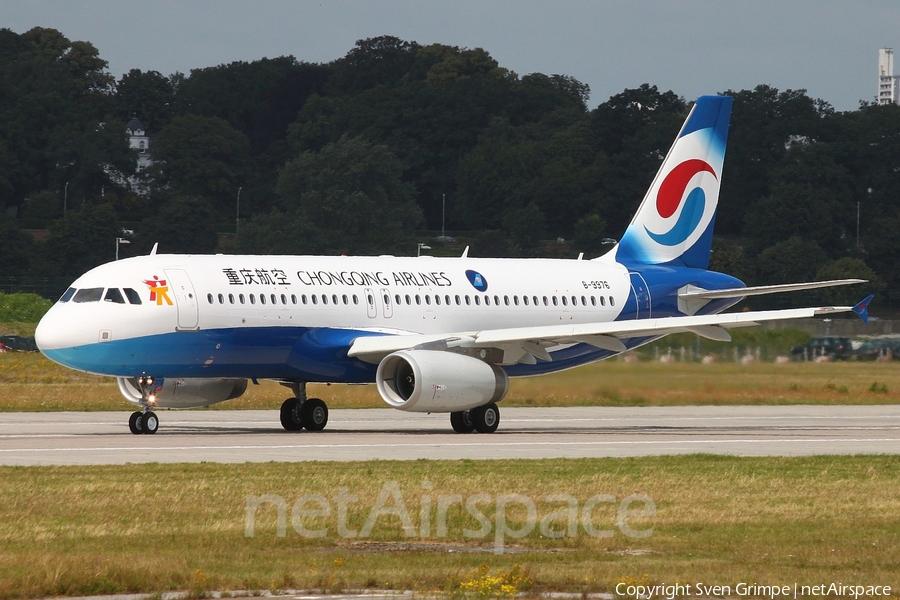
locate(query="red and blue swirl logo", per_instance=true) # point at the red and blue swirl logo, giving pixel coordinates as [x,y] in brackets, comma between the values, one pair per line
[671,195]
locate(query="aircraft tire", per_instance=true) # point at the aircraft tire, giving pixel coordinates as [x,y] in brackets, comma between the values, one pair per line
[149,423]
[485,418]
[461,421]
[291,418]
[314,414]
[134,422]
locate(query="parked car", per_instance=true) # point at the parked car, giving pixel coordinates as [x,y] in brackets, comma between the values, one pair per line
[17,343]
[834,347]
[879,348]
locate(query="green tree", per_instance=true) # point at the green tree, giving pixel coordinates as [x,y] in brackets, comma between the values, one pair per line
[84,239]
[352,195]
[848,268]
[183,225]
[790,261]
[15,250]
[202,157]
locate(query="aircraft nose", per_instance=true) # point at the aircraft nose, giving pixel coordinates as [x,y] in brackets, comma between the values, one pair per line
[44,336]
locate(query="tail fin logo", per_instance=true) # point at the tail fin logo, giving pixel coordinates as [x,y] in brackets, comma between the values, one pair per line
[671,195]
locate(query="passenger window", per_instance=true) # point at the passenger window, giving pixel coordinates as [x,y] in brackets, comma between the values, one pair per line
[437,300]
[506,300]
[583,301]
[241,298]
[132,296]
[303,298]
[612,301]
[525,300]
[468,300]
[334,299]
[346,301]
[209,298]
[564,301]
[397,299]
[283,299]
[88,295]
[408,300]
[457,301]
[487,300]
[114,295]
[370,299]
[68,295]
[262,298]
[555,302]
[324,299]
[427,299]
[477,301]
[274,299]
[418,299]
[221,299]
[355,299]
[294,299]
[516,300]
[314,298]
[497,300]
[602,300]
[252,299]
[447,299]
[387,299]
[230,298]
[593,301]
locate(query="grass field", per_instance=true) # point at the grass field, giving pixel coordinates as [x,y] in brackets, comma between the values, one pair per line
[32,383]
[90,530]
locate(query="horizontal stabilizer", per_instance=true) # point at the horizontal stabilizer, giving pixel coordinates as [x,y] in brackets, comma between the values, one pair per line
[697,293]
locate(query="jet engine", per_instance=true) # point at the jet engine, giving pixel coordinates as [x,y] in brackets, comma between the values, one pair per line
[177,392]
[438,381]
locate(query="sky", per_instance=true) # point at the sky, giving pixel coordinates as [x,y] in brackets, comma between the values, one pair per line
[691,47]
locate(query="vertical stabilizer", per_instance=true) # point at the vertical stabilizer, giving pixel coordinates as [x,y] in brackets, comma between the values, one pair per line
[674,223]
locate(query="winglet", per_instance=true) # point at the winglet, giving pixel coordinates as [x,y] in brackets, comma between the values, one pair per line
[862,309]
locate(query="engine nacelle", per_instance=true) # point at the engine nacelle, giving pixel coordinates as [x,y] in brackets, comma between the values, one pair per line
[438,381]
[177,392]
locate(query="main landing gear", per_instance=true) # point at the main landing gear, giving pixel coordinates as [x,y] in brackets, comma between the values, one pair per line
[301,412]
[145,420]
[483,419]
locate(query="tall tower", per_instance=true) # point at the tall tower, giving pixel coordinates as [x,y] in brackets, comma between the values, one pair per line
[887,83]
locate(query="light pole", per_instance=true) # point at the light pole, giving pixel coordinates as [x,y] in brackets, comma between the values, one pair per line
[120,241]
[237,220]
[420,248]
[65,198]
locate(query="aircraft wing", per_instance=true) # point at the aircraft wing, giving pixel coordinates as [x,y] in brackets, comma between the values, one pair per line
[526,344]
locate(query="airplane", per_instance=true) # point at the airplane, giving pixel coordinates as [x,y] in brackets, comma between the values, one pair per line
[433,334]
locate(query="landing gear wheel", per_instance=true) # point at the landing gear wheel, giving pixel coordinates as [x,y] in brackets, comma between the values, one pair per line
[485,418]
[291,418]
[149,422]
[134,422]
[314,414]
[461,422]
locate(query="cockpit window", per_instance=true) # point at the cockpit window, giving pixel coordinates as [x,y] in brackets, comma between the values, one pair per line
[68,295]
[88,295]
[114,295]
[132,296]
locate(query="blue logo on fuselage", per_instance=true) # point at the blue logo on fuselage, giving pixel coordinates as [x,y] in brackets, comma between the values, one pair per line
[477,280]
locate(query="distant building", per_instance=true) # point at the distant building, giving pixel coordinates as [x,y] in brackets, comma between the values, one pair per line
[887,82]
[138,140]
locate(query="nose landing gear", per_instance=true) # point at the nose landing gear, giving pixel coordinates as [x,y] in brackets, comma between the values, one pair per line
[145,420]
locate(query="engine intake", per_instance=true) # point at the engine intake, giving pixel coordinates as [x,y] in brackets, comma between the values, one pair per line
[438,381]
[177,392]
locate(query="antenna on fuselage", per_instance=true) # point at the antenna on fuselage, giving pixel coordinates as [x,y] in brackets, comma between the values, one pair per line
[465,253]
[153,251]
